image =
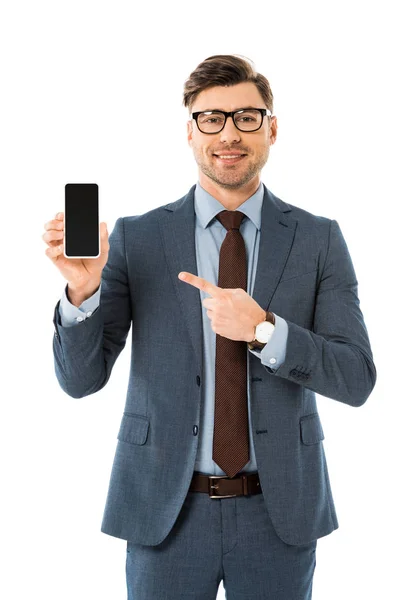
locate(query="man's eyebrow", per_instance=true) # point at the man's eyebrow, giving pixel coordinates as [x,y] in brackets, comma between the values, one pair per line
[221,109]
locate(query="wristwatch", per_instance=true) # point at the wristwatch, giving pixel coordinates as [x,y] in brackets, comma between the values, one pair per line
[263,332]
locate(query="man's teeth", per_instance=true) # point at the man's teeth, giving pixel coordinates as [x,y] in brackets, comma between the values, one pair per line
[230,156]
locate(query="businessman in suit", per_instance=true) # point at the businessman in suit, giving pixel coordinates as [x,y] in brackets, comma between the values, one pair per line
[243,307]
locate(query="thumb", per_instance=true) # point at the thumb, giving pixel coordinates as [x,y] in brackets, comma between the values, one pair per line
[103,236]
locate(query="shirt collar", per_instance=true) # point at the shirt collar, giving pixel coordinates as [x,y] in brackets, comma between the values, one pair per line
[207,207]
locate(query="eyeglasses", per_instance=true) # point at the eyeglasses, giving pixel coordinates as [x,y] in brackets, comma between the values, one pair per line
[245,119]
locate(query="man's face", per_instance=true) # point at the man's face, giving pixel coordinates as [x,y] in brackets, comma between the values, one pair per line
[255,145]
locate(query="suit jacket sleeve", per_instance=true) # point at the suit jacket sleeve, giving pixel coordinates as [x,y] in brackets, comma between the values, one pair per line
[84,355]
[335,358]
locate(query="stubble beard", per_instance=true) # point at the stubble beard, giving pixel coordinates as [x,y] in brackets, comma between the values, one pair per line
[234,176]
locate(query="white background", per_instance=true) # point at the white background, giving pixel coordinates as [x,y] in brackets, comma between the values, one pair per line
[76,78]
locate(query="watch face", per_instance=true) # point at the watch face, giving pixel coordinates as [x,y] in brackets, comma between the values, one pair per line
[264,331]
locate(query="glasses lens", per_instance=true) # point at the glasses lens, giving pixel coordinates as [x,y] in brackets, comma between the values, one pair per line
[210,122]
[213,121]
[248,120]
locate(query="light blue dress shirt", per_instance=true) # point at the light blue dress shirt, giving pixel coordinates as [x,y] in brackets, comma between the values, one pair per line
[209,235]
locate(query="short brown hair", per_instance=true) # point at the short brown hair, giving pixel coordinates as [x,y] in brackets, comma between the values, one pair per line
[224,69]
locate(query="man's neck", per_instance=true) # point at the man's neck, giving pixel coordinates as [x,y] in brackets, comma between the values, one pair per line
[231,199]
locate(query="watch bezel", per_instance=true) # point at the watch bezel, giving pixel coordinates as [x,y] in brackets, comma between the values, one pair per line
[264,331]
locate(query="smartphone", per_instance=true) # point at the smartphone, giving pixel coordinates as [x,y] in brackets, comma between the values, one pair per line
[81,221]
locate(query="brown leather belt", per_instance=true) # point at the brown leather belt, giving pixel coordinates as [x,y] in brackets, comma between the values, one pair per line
[221,486]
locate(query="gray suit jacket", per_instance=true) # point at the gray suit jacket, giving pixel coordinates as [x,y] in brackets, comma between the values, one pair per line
[305,275]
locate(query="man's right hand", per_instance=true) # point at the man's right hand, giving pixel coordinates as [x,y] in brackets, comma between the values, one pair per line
[83,275]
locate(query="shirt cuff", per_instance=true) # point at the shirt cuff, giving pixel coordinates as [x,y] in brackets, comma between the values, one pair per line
[72,315]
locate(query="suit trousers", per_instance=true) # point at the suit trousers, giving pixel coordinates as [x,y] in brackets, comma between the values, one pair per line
[221,539]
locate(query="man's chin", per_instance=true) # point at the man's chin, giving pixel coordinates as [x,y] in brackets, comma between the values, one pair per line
[230,184]
[230,181]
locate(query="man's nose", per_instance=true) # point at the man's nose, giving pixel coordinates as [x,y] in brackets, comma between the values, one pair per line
[230,132]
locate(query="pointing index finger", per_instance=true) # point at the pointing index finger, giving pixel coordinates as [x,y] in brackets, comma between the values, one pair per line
[199,282]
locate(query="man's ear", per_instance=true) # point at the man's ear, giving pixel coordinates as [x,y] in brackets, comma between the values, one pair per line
[189,132]
[274,130]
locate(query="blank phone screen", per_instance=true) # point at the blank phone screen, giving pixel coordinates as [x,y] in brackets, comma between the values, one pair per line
[81,219]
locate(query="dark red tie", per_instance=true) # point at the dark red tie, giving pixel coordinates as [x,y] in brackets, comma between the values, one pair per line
[231,426]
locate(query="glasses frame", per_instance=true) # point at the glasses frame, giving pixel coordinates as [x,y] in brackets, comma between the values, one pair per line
[264,112]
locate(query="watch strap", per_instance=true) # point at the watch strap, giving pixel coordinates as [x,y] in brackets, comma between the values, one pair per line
[255,345]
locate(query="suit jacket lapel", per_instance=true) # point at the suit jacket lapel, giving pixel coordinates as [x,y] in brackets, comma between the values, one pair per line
[177,226]
[276,239]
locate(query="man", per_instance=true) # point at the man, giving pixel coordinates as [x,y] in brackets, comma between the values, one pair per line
[242,307]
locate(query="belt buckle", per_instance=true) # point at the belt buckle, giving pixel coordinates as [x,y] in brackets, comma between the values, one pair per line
[216,487]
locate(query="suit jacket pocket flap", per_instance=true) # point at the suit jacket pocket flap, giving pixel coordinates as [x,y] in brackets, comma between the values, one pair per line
[134,429]
[311,429]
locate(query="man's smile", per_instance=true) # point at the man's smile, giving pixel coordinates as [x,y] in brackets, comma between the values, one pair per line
[229,158]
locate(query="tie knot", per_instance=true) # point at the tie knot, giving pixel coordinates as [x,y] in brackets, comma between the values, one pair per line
[230,219]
